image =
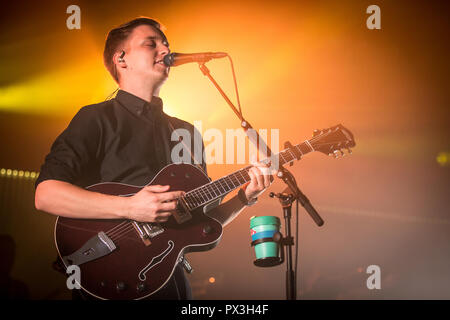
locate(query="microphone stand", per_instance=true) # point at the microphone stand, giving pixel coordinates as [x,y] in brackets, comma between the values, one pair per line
[286,176]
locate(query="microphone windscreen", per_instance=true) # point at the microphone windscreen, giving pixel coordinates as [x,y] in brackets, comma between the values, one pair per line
[168,59]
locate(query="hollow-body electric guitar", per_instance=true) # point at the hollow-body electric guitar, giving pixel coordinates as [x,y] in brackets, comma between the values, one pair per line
[123,259]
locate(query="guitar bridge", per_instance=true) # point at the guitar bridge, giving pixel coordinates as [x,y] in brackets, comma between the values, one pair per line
[142,234]
[152,230]
[147,231]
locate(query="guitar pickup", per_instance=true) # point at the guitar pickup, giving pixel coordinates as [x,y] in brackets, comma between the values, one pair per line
[182,214]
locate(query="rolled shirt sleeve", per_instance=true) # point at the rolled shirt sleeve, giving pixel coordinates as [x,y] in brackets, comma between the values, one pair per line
[75,150]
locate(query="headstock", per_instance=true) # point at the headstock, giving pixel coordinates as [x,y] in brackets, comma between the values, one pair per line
[331,141]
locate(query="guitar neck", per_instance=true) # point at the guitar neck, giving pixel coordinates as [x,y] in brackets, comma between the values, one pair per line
[221,187]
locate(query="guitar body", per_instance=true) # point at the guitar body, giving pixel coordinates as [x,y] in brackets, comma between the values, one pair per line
[135,270]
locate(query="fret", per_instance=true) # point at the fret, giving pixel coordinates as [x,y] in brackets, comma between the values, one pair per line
[199,195]
[299,149]
[230,179]
[240,178]
[188,201]
[236,179]
[193,200]
[309,145]
[293,154]
[289,155]
[203,194]
[282,157]
[211,187]
[227,184]
[246,176]
[242,175]
[221,186]
[207,193]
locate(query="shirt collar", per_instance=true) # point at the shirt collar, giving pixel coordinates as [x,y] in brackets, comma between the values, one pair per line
[139,106]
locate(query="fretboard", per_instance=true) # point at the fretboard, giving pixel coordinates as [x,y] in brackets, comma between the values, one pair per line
[221,187]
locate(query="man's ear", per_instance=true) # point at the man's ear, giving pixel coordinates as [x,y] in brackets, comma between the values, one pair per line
[119,59]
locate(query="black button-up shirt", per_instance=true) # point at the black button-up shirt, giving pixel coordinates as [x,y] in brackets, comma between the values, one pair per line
[125,139]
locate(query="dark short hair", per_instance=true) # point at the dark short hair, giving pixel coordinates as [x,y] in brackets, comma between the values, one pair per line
[118,35]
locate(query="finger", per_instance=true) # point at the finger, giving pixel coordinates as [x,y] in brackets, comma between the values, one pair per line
[157,188]
[267,180]
[262,164]
[259,177]
[169,196]
[267,173]
[253,180]
[161,219]
[164,215]
[166,206]
[264,170]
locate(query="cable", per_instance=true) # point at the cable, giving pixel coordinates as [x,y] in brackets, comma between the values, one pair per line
[112,93]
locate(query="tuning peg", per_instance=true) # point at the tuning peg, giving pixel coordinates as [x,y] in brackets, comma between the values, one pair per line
[336,153]
[342,152]
[349,150]
[315,132]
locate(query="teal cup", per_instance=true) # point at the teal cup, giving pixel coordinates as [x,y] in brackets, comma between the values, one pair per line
[262,230]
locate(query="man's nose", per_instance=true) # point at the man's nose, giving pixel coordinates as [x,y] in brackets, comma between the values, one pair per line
[163,50]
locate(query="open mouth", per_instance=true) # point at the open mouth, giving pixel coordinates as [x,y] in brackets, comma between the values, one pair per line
[160,62]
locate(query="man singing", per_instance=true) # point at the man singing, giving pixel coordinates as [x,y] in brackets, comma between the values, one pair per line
[127,140]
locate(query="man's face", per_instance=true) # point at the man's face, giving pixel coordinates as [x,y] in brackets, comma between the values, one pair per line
[145,50]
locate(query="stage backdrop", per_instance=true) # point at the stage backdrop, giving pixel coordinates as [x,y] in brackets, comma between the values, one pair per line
[299,66]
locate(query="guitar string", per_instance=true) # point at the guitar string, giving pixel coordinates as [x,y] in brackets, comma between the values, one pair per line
[119,230]
[121,234]
[112,230]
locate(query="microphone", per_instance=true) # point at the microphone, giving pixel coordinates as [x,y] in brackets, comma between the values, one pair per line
[175,59]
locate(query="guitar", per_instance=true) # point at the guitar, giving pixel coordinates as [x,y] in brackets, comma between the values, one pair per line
[123,259]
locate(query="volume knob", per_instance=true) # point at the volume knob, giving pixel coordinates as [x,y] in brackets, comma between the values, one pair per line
[207,229]
[140,287]
[121,286]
